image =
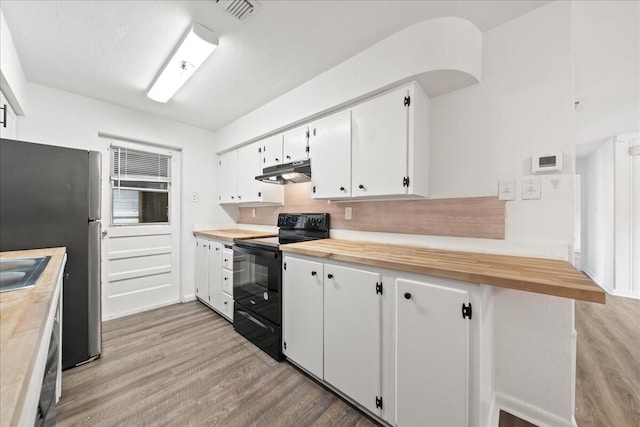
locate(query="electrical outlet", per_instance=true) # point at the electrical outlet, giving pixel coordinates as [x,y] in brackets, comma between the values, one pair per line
[506,189]
[347,213]
[253,213]
[531,189]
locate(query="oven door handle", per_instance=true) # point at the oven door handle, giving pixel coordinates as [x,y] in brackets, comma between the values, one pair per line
[256,252]
[252,319]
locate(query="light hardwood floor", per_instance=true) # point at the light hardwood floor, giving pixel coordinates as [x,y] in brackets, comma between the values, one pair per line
[608,363]
[185,365]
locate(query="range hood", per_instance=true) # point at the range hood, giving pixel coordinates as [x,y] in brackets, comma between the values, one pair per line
[287,173]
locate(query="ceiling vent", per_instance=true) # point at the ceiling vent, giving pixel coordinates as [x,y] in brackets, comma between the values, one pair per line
[240,9]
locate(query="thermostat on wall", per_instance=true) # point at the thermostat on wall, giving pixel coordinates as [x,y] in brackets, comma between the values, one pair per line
[546,162]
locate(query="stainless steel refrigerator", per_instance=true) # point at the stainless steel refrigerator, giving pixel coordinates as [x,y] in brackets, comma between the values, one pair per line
[50,196]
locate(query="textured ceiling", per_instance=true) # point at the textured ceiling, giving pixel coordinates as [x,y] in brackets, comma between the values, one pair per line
[112,50]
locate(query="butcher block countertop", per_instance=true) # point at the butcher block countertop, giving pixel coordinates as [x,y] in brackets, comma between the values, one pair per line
[539,275]
[24,315]
[234,233]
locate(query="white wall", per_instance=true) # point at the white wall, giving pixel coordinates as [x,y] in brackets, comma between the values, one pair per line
[597,251]
[61,118]
[12,79]
[480,134]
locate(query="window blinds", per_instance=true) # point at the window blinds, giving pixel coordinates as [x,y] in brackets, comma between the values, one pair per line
[135,165]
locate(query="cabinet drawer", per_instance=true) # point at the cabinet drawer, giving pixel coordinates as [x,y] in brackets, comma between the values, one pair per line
[227,281]
[227,259]
[227,306]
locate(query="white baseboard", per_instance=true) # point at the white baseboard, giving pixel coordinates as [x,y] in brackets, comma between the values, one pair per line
[527,412]
[188,298]
[625,294]
[129,313]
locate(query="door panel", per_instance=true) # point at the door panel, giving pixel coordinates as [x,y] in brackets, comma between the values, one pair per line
[330,151]
[432,355]
[202,269]
[352,333]
[228,177]
[248,169]
[302,311]
[380,152]
[271,151]
[295,144]
[215,275]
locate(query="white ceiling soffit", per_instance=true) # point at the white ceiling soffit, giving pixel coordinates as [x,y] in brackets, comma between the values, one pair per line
[111,50]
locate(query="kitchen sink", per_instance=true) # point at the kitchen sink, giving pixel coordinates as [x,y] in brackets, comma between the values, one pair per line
[21,273]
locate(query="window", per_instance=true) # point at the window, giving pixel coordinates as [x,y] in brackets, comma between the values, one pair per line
[140,187]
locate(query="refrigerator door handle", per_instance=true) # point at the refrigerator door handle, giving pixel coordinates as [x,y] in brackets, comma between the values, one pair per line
[95,185]
[95,297]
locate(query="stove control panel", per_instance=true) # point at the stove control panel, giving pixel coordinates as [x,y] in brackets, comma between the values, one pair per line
[304,221]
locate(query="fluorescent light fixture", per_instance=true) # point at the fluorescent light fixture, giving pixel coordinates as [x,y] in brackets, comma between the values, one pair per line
[194,49]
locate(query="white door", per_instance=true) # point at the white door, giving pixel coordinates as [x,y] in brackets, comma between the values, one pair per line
[215,275]
[141,218]
[330,152]
[295,144]
[248,168]
[271,151]
[202,269]
[228,177]
[302,313]
[432,355]
[379,145]
[352,333]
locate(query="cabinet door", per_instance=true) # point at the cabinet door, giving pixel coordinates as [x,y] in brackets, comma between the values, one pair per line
[228,177]
[295,144]
[379,145]
[227,306]
[215,275]
[432,355]
[271,151]
[227,281]
[202,269]
[352,333]
[330,152]
[248,169]
[302,313]
[8,129]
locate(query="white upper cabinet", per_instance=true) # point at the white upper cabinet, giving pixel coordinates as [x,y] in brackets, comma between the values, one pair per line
[295,144]
[248,169]
[390,145]
[271,149]
[8,117]
[237,177]
[228,177]
[330,152]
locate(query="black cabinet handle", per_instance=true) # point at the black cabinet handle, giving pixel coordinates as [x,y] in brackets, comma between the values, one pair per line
[330,276]
[313,273]
[288,157]
[407,295]
[226,302]
[226,260]
[341,188]
[226,278]
[277,159]
[361,187]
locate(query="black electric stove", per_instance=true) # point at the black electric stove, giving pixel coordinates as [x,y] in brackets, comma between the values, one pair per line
[257,279]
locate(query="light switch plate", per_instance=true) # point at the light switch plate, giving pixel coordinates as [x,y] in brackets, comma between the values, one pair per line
[531,189]
[506,189]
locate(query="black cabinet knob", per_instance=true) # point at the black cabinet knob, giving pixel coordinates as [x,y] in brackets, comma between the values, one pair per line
[277,159]
[226,278]
[407,295]
[330,276]
[313,273]
[288,157]
[361,187]
[341,188]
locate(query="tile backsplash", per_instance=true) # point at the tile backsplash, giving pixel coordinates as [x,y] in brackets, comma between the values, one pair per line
[479,217]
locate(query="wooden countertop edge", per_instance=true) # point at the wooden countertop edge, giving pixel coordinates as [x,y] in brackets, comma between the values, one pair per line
[52,271]
[223,234]
[540,287]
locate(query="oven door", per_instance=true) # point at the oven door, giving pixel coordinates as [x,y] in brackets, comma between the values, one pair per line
[257,281]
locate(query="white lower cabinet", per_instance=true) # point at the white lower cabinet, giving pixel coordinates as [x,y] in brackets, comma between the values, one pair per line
[352,334]
[303,314]
[214,282]
[405,347]
[432,339]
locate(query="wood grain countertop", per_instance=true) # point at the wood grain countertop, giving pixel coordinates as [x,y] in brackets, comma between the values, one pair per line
[233,233]
[24,315]
[539,275]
